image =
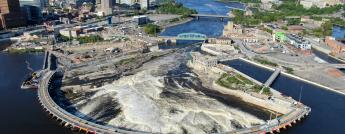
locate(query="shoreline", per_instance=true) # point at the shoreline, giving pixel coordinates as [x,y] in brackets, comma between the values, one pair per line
[186,20]
[294,77]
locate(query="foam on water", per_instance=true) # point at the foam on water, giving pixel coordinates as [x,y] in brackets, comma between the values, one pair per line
[150,104]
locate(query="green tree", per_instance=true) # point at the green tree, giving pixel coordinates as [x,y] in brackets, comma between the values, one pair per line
[152,29]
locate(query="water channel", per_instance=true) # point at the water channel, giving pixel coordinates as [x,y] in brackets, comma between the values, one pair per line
[20,110]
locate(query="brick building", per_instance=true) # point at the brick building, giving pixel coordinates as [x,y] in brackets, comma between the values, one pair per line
[11,14]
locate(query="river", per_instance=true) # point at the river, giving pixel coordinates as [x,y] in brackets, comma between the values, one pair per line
[20,110]
[328,108]
[212,27]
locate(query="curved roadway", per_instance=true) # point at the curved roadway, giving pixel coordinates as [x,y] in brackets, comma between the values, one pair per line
[67,119]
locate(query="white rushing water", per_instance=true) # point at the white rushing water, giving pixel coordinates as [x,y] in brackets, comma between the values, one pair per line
[147,103]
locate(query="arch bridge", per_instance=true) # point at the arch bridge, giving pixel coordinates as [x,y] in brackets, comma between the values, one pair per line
[191,36]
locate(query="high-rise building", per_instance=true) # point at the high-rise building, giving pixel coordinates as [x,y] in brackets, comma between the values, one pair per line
[144,4]
[11,14]
[38,3]
[32,10]
[107,7]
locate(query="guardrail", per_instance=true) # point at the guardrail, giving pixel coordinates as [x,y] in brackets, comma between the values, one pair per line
[281,122]
[68,119]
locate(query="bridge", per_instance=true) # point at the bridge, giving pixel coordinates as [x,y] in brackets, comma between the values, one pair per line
[271,79]
[184,36]
[277,124]
[222,17]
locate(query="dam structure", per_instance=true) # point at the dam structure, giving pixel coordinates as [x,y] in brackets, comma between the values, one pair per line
[81,125]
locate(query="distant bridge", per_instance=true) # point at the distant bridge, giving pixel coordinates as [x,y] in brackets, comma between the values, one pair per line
[222,17]
[191,36]
[185,36]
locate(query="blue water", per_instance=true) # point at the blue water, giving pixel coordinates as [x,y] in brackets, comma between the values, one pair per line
[328,108]
[212,27]
[20,111]
[338,32]
[326,57]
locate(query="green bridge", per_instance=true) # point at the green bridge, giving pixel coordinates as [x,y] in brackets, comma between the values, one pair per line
[191,36]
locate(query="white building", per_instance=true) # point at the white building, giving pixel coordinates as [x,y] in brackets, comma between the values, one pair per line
[298,41]
[319,3]
[107,7]
[144,4]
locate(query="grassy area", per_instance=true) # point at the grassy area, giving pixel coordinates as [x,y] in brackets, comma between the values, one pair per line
[265,62]
[152,29]
[327,27]
[90,39]
[288,8]
[258,88]
[126,61]
[172,7]
[245,80]
[229,81]
[237,81]
[288,69]
[82,40]
[25,50]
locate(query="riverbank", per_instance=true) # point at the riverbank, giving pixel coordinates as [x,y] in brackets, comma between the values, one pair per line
[175,22]
[25,50]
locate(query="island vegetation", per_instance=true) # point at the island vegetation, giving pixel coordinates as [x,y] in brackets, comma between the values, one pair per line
[172,7]
[152,29]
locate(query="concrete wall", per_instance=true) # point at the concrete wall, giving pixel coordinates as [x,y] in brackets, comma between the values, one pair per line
[283,109]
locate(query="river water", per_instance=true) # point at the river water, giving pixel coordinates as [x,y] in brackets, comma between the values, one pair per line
[20,110]
[328,108]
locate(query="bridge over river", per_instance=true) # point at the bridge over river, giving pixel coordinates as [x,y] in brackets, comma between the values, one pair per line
[184,36]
